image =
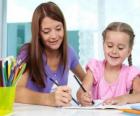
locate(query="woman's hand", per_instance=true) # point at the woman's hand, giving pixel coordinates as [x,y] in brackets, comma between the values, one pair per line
[61,96]
[84,98]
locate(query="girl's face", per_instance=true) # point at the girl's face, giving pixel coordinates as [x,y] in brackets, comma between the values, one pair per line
[52,33]
[116,47]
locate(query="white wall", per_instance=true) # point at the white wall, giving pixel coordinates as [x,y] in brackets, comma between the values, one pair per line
[0,28]
[3,29]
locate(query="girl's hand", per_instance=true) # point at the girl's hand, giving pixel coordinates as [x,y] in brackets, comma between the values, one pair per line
[120,100]
[61,96]
[84,98]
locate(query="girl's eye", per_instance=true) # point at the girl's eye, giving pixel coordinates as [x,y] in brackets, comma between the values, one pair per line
[120,48]
[58,29]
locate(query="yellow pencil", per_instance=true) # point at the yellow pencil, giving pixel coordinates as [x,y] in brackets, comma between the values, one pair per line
[132,111]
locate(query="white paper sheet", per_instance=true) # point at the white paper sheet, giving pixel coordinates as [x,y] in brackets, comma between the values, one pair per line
[99,105]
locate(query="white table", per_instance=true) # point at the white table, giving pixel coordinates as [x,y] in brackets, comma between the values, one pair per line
[37,110]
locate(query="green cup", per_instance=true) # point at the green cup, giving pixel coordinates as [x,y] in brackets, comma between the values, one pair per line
[7,97]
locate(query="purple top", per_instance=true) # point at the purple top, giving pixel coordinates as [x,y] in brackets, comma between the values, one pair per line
[58,75]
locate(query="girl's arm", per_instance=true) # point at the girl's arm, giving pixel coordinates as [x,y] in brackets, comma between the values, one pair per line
[128,98]
[88,80]
[135,96]
[136,85]
[85,98]
[61,97]
[124,99]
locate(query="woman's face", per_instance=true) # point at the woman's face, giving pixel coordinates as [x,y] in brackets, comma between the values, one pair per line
[52,33]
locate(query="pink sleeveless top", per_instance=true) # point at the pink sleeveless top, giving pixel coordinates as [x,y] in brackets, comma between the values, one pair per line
[101,89]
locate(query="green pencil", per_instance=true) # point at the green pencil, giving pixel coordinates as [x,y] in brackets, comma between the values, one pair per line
[19,74]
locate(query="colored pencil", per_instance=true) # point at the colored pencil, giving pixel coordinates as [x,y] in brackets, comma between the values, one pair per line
[1,79]
[131,111]
[10,71]
[21,70]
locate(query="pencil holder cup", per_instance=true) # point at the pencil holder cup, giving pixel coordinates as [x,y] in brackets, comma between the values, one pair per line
[7,97]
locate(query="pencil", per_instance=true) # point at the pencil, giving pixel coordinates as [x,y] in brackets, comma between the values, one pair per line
[58,85]
[1,78]
[131,111]
[81,86]
[21,70]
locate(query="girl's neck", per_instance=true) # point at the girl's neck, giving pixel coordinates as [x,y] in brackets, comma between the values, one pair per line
[111,68]
[111,73]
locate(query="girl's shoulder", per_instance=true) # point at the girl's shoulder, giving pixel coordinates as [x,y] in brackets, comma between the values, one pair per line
[130,68]
[95,62]
[97,68]
[128,74]
[95,65]
[131,71]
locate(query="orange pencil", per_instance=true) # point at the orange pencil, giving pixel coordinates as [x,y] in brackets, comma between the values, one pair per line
[17,70]
[131,111]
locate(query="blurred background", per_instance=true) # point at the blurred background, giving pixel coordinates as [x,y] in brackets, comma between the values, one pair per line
[85,22]
[85,19]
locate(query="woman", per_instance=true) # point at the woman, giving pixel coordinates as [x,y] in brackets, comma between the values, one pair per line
[48,59]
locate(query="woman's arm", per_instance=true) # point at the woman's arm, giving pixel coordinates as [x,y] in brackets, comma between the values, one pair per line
[79,72]
[61,97]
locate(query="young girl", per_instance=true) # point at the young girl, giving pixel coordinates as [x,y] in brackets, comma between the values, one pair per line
[110,79]
[48,59]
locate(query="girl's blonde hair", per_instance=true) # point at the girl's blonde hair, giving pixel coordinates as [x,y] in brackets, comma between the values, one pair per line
[121,27]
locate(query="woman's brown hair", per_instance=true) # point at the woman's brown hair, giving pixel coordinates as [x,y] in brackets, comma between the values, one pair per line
[36,47]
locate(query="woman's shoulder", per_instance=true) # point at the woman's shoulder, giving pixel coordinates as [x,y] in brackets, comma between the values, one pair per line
[23,52]
[71,52]
[24,47]
[70,49]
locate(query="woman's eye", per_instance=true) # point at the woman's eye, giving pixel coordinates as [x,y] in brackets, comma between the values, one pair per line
[45,32]
[109,46]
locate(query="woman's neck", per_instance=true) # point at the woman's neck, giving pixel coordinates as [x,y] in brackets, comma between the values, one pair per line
[52,53]
[53,59]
